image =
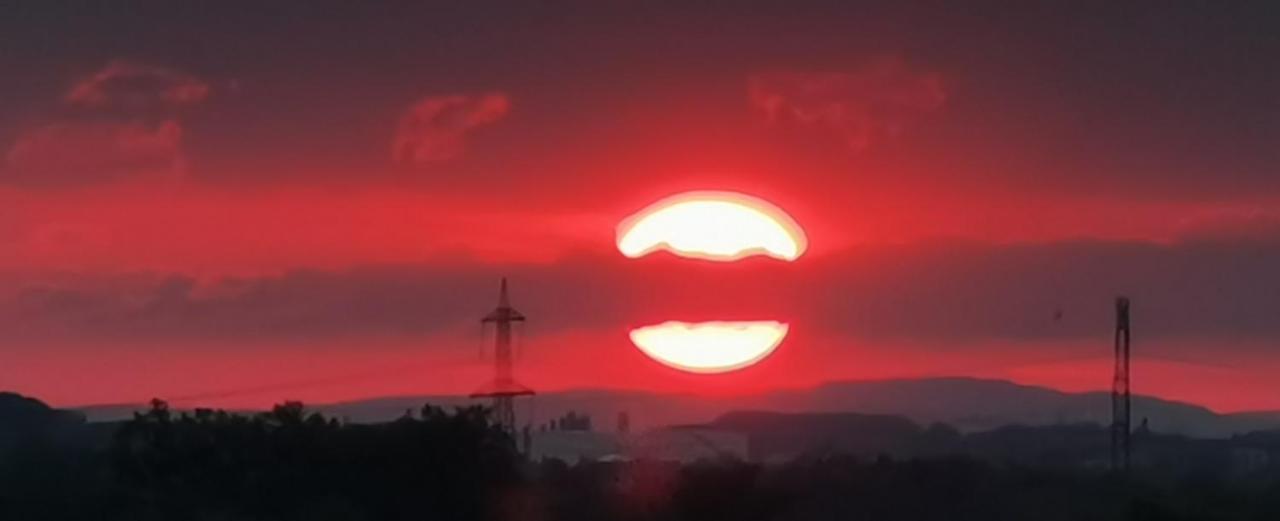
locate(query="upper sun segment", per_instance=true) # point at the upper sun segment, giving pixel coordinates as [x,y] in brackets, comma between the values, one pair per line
[718,226]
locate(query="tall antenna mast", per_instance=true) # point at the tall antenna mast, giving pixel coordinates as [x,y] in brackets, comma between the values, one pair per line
[1120,415]
[503,388]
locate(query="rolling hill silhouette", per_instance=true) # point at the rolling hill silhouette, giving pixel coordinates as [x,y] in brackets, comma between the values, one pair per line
[968,404]
[19,413]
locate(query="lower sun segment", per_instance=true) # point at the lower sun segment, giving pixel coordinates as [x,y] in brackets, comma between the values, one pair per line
[709,347]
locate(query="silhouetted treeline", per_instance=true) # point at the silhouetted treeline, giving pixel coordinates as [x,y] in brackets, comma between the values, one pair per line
[283,464]
[840,487]
[288,464]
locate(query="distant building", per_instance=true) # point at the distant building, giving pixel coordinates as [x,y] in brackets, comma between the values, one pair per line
[572,446]
[571,421]
[670,444]
[624,423]
[1245,460]
[689,444]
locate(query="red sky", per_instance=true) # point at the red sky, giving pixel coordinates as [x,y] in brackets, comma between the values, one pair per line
[233,206]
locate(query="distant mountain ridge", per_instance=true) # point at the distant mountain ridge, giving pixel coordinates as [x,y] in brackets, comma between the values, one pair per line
[24,418]
[22,413]
[968,404]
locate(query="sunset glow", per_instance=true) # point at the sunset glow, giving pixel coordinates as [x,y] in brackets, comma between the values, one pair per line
[185,185]
[709,347]
[720,226]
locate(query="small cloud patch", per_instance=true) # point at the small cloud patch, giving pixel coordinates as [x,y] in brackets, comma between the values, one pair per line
[436,128]
[866,105]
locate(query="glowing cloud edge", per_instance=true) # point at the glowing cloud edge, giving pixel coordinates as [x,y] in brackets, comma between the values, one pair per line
[753,340]
[769,210]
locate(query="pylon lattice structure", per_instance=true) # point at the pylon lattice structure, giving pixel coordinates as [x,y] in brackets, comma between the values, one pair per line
[503,389]
[1120,414]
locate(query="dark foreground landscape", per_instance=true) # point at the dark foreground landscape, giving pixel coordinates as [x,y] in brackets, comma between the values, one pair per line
[289,464]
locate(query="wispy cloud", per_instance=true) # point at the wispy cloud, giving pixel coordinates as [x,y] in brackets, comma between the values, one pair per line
[128,85]
[87,152]
[864,105]
[436,128]
[945,295]
[122,122]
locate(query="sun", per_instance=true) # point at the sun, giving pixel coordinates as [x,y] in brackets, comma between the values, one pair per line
[709,347]
[718,226]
